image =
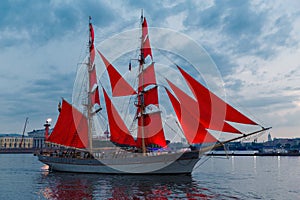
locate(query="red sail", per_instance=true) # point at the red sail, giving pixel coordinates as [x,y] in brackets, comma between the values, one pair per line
[71,128]
[119,85]
[92,48]
[150,128]
[94,94]
[194,131]
[147,77]
[150,97]
[151,123]
[146,48]
[219,108]
[201,112]
[119,133]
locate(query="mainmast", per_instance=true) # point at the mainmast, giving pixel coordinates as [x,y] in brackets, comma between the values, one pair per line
[140,92]
[150,129]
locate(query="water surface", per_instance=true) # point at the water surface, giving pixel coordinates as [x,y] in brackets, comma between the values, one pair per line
[22,176]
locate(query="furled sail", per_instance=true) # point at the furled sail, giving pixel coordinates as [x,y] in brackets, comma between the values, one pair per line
[119,133]
[194,131]
[119,85]
[218,108]
[71,128]
[201,111]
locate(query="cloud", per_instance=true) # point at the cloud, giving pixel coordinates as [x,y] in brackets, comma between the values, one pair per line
[37,22]
[254,44]
[232,29]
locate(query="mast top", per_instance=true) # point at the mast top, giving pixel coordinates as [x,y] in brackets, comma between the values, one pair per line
[142,15]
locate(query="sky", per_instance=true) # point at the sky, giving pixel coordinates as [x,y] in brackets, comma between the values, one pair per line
[254,44]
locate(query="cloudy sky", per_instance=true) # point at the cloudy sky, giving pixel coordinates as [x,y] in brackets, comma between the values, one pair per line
[255,45]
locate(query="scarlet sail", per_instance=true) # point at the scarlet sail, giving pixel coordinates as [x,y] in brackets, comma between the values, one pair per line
[93,86]
[91,44]
[147,77]
[201,111]
[194,131]
[119,85]
[150,129]
[119,133]
[146,48]
[148,97]
[71,128]
[218,108]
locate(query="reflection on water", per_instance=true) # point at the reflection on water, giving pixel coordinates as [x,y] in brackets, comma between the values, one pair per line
[68,186]
[93,186]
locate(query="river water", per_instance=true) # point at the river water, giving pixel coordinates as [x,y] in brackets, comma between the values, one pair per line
[22,176]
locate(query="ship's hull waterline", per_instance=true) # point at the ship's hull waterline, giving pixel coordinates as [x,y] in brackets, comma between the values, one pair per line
[171,163]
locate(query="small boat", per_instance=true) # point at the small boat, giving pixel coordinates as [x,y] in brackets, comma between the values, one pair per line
[72,146]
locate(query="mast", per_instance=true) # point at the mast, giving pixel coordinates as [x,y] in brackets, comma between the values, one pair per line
[89,105]
[140,94]
[150,129]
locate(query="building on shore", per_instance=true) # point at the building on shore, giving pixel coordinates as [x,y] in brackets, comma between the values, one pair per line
[38,137]
[10,141]
[35,140]
[276,145]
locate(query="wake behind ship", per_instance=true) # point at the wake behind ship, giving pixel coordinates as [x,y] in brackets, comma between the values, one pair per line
[143,149]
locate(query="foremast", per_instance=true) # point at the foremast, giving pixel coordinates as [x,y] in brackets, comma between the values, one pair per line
[89,105]
[93,102]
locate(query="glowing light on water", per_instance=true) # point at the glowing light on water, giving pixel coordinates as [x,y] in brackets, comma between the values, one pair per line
[45,168]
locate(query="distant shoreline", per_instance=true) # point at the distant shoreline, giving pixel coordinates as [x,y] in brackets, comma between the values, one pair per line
[17,151]
[252,154]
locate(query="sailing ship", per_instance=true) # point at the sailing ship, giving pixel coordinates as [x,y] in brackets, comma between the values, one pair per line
[71,147]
